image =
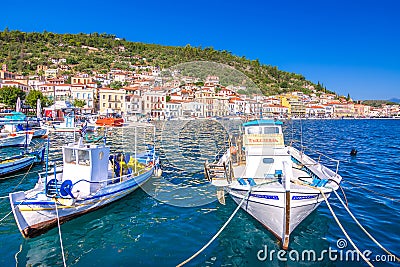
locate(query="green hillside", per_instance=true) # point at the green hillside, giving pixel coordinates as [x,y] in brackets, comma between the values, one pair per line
[23,52]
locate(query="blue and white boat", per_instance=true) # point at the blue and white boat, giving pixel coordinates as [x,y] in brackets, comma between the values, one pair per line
[19,129]
[13,139]
[19,162]
[276,184]
[89,179]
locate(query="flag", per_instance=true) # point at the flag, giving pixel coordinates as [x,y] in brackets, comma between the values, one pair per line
[84,128]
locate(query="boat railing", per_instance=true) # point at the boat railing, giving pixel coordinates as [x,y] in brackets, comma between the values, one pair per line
[318,161]
[112,180]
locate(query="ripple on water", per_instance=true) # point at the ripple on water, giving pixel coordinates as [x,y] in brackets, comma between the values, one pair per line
[143,229]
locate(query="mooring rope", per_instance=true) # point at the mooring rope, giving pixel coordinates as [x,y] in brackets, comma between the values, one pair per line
[16,255]
[341,226]
[362,228]
[59,233]
[219,231]
[8,214]
[19,181]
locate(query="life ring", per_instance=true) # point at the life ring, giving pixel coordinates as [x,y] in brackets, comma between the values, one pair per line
[233,150]
[13,134]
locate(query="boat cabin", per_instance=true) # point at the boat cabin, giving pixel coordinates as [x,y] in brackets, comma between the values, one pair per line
[265,152]
[85,165]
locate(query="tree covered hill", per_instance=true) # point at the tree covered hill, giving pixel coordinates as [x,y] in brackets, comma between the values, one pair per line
[23,52]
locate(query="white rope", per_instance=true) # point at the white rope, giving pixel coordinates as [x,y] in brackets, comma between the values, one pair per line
[16,255]
[362,228]
[342,228]
[29,169]
[218,233]
[59,233]
[337,221]
[8,214]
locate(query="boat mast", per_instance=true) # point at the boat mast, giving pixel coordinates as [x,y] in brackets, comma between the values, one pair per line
[154,143]
[135,150]
[288,175]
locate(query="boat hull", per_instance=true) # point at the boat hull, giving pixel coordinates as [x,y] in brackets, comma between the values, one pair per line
[35,217]
[17,140]
[268,207]
[16,164]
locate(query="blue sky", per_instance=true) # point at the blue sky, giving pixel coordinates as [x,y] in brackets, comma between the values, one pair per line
[349,46]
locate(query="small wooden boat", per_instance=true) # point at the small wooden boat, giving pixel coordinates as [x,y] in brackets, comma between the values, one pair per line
[18,162]
[109,121]
[280,185]
[89,179]
[13,139]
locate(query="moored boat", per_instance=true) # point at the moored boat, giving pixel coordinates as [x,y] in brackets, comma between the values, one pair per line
[19,129]
[110,121]
[278,185]
[13,139]
[89,179]
[18,162]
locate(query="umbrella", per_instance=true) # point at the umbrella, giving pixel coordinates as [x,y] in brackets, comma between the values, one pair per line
[18,105]
[38,109]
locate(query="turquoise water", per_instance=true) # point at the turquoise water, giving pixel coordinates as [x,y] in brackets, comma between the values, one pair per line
[173,217]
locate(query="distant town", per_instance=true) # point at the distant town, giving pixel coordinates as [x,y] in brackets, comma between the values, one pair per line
[144,93]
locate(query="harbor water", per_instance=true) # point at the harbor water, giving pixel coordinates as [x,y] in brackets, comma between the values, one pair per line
[172,217]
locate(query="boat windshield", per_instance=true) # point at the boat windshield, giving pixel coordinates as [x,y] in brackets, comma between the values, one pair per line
[262,130]
[83,157]
[254,130]
[271,130]
[70,156]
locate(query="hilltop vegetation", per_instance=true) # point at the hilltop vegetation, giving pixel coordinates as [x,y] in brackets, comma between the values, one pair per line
[23,52]
[378,103]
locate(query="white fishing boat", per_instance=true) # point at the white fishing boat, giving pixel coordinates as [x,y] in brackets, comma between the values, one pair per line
[89,179]
[13,139]
[278,185]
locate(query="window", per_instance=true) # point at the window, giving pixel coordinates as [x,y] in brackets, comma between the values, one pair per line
[77,95]
[268,160]
[104,96]
[83,157]
[254,130]
[104,105]
[70,156]
[271,130]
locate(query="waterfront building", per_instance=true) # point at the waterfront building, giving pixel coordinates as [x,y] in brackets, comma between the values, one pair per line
[86,94]
[111,100]
[154,103]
